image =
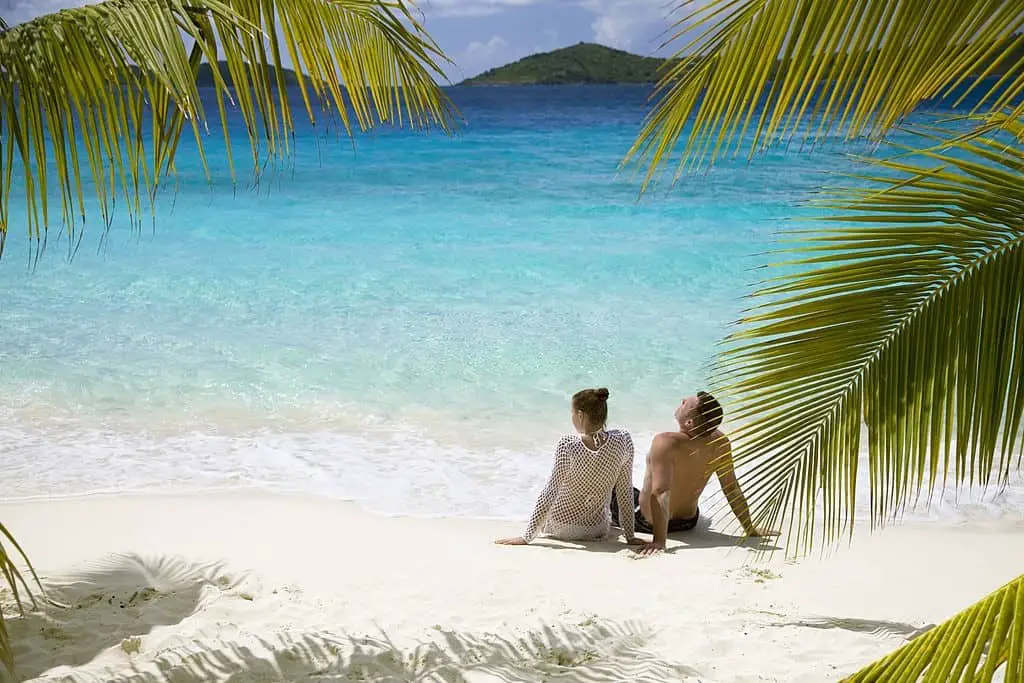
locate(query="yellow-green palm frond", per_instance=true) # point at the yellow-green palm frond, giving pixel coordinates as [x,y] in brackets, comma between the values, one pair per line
[971,646]
[101,93]
[906,319]
[754,72]
[13,578]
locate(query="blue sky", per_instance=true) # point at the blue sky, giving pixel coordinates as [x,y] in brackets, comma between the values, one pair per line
[480,34]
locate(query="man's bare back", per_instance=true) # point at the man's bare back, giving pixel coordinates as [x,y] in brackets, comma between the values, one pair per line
[680,464]
[692,466]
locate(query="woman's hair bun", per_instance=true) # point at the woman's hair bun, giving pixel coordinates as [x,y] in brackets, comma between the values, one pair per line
[601,393]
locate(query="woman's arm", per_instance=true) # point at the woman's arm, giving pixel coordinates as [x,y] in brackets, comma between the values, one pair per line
[559,471]
[624,492]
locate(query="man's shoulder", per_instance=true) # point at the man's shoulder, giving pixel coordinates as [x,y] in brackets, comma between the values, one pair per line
[669,442]
[671,437]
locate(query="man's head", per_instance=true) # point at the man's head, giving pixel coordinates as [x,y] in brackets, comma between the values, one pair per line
[700,415]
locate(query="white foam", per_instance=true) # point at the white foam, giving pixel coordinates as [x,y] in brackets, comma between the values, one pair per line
[383,467]
[386,470]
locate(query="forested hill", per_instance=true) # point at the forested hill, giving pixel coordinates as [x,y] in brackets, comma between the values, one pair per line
[593,63]
[582,63]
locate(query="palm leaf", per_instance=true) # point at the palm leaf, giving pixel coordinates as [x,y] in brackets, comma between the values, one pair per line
[971,646]
[754,72]
[13,578]
[905,318]
[103,92]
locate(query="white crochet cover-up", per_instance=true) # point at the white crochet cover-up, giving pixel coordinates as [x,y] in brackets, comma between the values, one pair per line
[574,504]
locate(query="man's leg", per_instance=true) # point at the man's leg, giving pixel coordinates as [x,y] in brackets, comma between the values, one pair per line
[640,522]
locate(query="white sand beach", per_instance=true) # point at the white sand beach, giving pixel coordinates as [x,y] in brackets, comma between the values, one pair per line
[260,587]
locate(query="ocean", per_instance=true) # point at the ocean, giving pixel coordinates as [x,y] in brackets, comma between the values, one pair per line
[398,322]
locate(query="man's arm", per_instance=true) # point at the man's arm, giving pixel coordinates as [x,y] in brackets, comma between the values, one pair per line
[654,498]
[726,472]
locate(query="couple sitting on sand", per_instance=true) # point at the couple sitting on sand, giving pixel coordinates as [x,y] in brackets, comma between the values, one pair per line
[592,477]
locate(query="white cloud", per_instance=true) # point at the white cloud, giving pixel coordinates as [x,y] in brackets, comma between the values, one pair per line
[477,51]
[481,56]
[634,25]
[469,8]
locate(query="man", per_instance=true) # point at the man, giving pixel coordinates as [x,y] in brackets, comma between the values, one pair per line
[679,466]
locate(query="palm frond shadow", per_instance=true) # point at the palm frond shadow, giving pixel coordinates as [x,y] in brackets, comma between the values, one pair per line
[589,654]
[165,591]
[153,591]
[982,641]
[876,627]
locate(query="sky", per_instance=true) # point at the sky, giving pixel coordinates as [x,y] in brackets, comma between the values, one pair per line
[480,34]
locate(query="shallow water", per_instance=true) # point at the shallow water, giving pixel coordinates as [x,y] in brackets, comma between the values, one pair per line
[400,323]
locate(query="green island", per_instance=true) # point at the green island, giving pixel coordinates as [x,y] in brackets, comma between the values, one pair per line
[205,76]
[580,63]
[593,63]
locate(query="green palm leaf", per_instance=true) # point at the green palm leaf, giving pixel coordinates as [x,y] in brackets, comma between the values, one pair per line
[902,325]
[103,92]
[971,646]
[754,72]
[906,318]
[13,578]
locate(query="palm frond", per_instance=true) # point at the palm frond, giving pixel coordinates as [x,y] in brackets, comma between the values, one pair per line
[754,72]
[971,646]
[12,576]
[906,319]
[103,92]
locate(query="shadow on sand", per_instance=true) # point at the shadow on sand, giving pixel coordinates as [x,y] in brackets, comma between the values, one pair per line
[118,602]
[705,538]
[595,654]
[875,627]
[143,594]
[695,538]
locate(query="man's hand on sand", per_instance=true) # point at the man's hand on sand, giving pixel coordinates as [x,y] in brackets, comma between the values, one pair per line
[518,540]
[762,533]
[651,548]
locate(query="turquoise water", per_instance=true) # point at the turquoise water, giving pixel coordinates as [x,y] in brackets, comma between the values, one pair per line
[400,322]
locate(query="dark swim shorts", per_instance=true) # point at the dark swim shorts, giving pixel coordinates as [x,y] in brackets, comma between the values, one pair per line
[641,524]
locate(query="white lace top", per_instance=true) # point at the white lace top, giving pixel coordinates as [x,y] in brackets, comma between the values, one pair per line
[574,503]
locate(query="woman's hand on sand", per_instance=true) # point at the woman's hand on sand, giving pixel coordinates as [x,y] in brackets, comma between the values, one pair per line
[518,540]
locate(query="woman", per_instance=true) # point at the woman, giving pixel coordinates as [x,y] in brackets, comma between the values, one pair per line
[574,504]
